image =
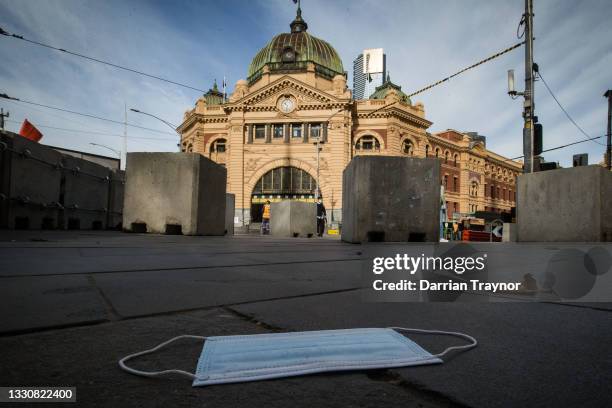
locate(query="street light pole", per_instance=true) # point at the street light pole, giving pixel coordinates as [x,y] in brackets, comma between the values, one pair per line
[124,155]
[161,120]
[117,152]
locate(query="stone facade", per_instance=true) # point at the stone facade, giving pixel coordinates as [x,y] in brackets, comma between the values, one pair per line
[274,119]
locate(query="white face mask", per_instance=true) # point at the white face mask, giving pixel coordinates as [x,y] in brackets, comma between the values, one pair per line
[230,359]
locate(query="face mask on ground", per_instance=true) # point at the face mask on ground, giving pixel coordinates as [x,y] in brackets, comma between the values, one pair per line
[231,359]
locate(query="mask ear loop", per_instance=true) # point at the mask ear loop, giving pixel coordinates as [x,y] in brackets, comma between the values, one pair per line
[154,349]
[473,341]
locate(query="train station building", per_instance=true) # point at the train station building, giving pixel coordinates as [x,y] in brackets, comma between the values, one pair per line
[294,118]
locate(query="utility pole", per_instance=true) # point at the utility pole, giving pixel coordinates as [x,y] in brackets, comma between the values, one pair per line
[7,114]
[608,95]
[123,158]
[529,106]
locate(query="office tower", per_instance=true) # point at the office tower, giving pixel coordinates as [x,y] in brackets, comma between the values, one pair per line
[368,72]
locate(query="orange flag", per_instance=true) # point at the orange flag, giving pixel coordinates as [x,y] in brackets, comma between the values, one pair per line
[30,132]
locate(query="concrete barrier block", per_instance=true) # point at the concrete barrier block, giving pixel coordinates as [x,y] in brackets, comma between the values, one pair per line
[509,232]
[230,200]
[30,184]
[174,193]
[85,192]
[391,199]
[565,205]
[293,219]
[115,200]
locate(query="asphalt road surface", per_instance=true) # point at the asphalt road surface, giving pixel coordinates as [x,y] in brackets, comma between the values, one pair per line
[73,303]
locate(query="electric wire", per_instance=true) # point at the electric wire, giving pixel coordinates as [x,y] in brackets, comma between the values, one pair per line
[565,111]
[519,34]
[492,57]
[5,96]
[562,146]
[93,132]
[20,37]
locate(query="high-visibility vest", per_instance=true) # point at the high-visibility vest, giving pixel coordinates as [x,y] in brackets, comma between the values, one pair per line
[266,211]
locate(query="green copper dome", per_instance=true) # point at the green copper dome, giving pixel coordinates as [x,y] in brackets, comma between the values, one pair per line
[213,96]
[382,91]
[290,52]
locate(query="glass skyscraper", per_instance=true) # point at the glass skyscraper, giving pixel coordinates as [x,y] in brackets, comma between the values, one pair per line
[368,72]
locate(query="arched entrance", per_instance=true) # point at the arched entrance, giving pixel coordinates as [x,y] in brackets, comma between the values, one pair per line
[281,183]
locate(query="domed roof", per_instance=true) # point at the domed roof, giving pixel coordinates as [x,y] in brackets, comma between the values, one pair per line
[382,91]
[213,96]
[291,51]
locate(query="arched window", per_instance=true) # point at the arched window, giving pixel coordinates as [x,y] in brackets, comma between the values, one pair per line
[289,181]
[218,146]
[446,154]
[455,158]
[407,147]
[217,151]
[190,148]
[427,151]
[367,143]
[437,152]
[474,189]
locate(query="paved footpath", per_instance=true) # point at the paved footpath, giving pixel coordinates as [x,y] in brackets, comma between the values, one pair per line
[73,303]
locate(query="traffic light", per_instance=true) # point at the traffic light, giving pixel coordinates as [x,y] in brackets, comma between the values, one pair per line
[537,139]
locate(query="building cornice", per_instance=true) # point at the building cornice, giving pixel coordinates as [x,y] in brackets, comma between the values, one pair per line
[397,113]
[200,118]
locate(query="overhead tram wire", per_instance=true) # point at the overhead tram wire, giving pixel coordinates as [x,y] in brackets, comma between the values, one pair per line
[492,57]
[567,114]
[10,98]
[76,54]
[562,146]
[95,132]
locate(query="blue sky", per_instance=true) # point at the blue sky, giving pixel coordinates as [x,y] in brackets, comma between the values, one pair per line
[194,42]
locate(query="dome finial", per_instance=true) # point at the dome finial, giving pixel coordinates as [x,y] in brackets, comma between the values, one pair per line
[298,25]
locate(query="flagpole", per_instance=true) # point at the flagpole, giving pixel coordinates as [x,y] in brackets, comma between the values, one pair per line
[224,87]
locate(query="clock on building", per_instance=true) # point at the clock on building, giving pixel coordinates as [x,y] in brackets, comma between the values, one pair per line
[286,104]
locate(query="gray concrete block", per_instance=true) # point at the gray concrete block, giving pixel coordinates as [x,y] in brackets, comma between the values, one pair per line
[293,219]
[230,200]
[85,189]
[391,199]
[30,183]
[182,191]
[509,232]
[115,199]
[565,205]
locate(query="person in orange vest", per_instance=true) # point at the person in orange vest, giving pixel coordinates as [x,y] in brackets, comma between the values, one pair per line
[265,218]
